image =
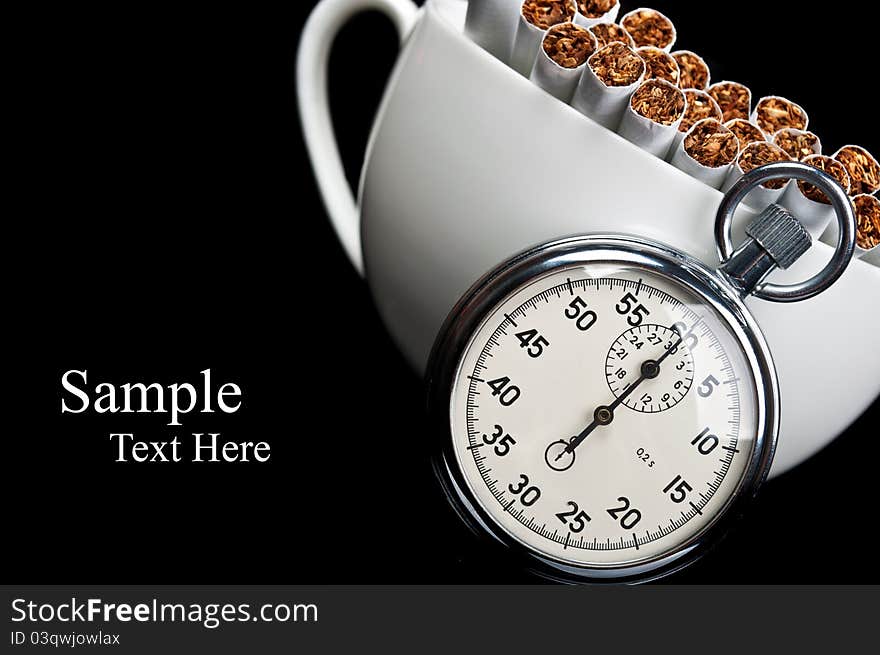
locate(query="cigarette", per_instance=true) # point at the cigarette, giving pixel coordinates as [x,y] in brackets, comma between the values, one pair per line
[593,12]
[700,105]
[863,169]
[808,203]
[867,228]
[606,33]
[610,77]
[735,99]
[536,17]
[773,113]
[747,132]
[867,209]
[798,144]
[694,71]
[752,155]
[491,24]
[659,64]
[707,152]
[649,27]
[652,116]
[560,64]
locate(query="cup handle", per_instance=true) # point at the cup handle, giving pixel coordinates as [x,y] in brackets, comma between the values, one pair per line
[314,109]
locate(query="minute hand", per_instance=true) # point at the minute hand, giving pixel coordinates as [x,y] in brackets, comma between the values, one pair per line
[604,414]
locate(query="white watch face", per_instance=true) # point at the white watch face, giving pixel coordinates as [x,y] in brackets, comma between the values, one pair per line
[604,415]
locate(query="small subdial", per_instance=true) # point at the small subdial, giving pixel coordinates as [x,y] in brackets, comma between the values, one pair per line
[650,342]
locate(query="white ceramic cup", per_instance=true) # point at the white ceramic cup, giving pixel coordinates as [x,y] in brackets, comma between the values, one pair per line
[463,170]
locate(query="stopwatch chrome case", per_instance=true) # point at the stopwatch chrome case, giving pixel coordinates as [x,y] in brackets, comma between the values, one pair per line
[503,503]
[479,303]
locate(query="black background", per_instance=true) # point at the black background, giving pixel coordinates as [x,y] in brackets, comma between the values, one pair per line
[174,225]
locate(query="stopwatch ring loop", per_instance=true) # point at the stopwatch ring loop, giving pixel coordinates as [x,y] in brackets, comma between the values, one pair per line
[843,211]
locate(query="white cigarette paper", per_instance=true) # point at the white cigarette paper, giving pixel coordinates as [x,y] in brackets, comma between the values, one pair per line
[571,44]
[707,152]
[750,157]
[491,24]
[609,79]
[593,12]
[814,215]
[529,35]
[525,47]
[667,102]
[871,257]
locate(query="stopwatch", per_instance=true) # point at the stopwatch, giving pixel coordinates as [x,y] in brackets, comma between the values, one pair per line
[603,405]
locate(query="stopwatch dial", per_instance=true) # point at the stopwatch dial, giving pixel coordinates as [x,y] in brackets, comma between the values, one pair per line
[644,342]
[603,415]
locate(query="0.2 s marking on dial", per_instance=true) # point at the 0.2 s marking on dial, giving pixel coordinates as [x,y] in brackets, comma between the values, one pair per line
[547,363]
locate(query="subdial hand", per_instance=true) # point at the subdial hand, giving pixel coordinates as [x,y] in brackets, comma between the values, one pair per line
[604,414]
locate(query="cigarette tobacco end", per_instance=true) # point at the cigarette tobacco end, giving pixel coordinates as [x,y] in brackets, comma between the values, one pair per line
[711,144]
[831,166]
[659,102]
[759,153]
[774,113]
[617,65]
[595,8]
[569,45]
[606,33]
[700,105]
[746,132]
[797,144]
[693,70]
[734,99]
[544,14]
[863,169]
[867,221]
[659,64]
[649,27]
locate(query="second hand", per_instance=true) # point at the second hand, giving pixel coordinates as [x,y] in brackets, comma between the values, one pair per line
[604,414]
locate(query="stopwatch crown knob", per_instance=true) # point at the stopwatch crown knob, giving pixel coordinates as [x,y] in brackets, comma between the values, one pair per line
[781,235]
[776,240]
